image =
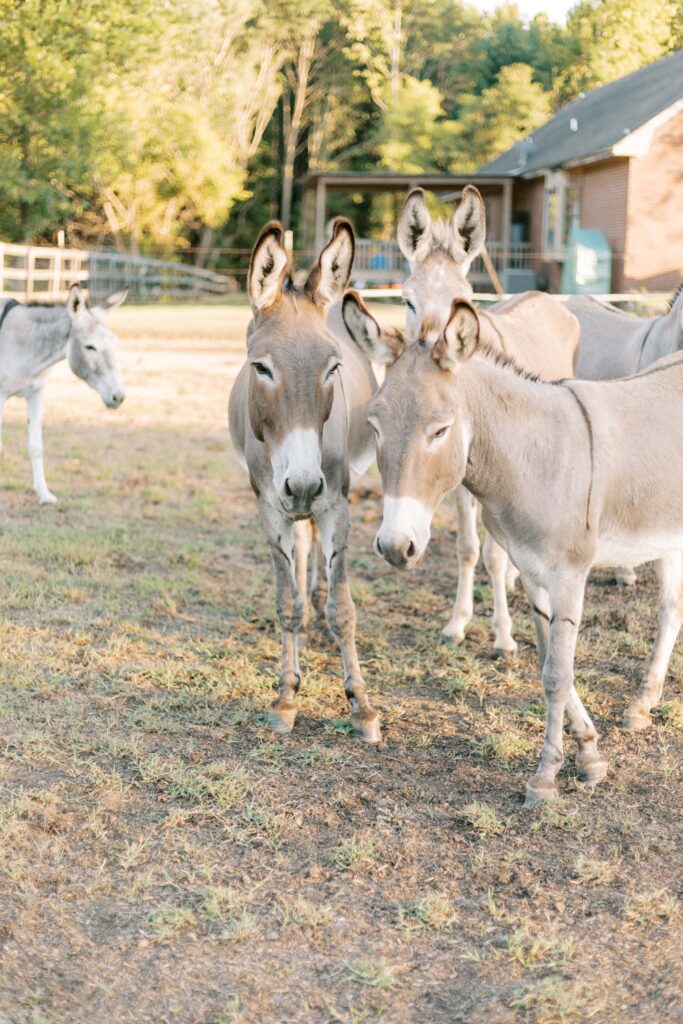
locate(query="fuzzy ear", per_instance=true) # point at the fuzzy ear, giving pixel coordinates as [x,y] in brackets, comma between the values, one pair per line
[267,268]
[460,339]
[415,228]
[381,345]
[112,301]
[468,224]
[75,300]
[330,275]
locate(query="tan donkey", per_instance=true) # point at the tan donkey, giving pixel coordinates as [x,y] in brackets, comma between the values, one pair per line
[298,422]
[533,329]
[551,465]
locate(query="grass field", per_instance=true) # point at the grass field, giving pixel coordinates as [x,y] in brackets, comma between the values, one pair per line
[165,857]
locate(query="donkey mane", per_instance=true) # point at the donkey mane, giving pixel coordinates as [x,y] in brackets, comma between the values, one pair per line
[506,362]
[443,238]
[676,296]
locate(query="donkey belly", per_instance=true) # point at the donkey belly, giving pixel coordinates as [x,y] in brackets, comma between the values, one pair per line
[616,549]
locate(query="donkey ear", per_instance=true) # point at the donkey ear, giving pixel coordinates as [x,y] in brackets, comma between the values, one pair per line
[112,301]
[415,228]
[460,339]
[267,268]
[75,300]
[469,224]
[380,345]
[330,275]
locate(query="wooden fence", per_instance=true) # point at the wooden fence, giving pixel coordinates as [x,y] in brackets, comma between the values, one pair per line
[35,273]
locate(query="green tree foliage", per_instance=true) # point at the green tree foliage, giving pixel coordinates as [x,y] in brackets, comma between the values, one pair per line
[167,125]
[493,121]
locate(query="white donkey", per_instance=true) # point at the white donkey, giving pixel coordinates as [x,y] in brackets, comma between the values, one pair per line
[298,421]
[35,337]
[617,344]
[533,328]
[569,475]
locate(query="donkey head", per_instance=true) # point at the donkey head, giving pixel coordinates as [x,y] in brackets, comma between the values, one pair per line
[439,255]
[91,345]
[420,422]
[294,358]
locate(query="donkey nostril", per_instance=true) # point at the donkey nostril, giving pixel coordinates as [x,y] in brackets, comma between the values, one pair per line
[379,546]
[288,489]
[320,488]
[411,550]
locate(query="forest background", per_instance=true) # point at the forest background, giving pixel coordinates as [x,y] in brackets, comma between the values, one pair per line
[178,127]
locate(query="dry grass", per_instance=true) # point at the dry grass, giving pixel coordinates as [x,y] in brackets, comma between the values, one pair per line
[164,857]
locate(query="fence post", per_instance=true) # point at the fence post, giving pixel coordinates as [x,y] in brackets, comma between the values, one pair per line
[30,266]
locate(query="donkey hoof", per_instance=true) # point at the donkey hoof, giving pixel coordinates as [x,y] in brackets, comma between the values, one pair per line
[367,728]
[505,653]
[282,718]
[47,499]
[540,793]
[636,720]
[591,774]
[451,635]
[626,578]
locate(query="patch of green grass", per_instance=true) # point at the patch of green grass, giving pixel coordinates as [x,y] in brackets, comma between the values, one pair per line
[484,819]
[374,973]
[432,911]
[552,1000]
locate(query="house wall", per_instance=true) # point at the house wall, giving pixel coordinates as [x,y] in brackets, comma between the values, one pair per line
[604,189]
[654,222]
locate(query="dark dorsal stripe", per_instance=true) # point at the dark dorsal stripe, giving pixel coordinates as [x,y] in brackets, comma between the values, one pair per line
[9,306]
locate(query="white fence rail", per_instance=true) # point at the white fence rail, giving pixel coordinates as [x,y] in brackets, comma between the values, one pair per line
[382,261]
[32,273]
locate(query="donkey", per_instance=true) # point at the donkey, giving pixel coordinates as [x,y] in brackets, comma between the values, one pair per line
[298,423]
[35,337]
[533,328]
[550,465]
[618,344]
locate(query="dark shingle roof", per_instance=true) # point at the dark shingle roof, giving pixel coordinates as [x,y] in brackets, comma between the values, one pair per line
[604,116]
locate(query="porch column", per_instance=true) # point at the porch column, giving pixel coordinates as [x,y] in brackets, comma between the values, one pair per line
[320,203]
[507,222]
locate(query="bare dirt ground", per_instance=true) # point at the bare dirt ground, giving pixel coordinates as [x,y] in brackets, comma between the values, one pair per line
[165,857]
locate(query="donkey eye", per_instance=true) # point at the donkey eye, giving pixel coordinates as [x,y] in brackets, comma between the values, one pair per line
[441,432]
[263,370]
[332,370]
[90,348]
[410,306]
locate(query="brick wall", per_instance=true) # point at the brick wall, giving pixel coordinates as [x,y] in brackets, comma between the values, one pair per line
[654,235]
[604,203]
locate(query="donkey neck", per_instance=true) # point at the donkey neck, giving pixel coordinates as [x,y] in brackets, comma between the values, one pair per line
[512,423]
[47,335]
[664,334]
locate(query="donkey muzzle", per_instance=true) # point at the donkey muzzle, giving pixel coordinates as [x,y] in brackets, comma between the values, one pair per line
[300,492]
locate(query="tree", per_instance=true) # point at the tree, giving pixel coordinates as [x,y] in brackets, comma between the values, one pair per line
[492,122]
[606,39]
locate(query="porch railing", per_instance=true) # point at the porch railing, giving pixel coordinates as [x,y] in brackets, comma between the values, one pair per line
[382,261]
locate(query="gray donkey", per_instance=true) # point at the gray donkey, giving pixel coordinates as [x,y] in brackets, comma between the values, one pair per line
[617,344]
[298,423]
[550,464]
[35,337]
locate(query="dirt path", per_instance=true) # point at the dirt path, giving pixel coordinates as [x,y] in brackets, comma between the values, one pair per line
[164,857]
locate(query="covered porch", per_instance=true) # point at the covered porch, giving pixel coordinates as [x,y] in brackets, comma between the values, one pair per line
[379,260]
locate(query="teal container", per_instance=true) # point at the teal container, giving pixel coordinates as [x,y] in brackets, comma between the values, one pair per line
[587,268]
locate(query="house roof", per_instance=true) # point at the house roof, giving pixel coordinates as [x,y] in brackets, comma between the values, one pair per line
[591,126]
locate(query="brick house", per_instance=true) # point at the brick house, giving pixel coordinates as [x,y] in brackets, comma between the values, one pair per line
[612,159]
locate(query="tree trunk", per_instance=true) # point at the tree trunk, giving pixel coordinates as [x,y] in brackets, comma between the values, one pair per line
[293,111]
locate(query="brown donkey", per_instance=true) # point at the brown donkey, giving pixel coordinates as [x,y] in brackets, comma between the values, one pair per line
[298,422]
[550,464]
[533,328]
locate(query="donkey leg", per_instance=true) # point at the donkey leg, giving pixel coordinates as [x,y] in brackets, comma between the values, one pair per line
[626,576]
[590,765]
[318,583]
[468,556]
[670,573]
[341,616]
[290,609]
[34,402]
[303,541]
[497,561]
[3,399]
[566,602]
[540,612]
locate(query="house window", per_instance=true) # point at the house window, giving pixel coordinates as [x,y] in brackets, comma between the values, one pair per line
[554,215]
